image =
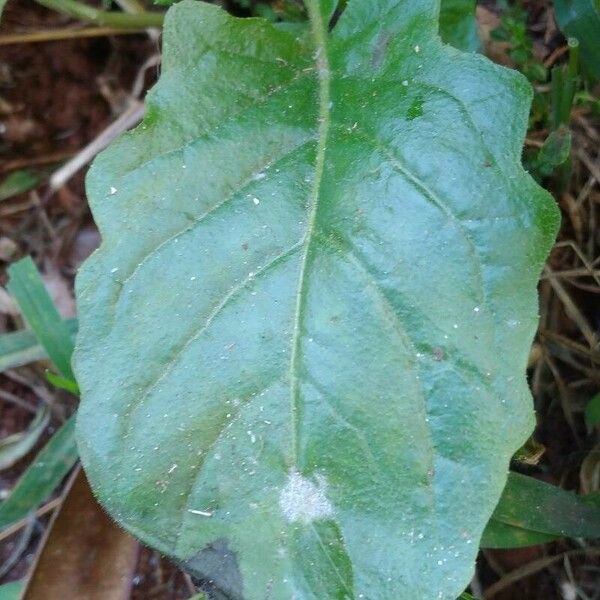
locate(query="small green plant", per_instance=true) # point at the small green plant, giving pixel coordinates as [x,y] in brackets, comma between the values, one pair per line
[513,30]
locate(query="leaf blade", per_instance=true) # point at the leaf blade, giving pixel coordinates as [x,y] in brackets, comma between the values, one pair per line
[15,447]
[42,476]
[19,181]
[581,19]
[592,411]
[27,287]
[276,337]
[22,347]
[532,512]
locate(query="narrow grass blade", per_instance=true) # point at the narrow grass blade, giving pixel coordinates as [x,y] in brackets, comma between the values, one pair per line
[14,589]
[62,382]
[43,475]
[14,447]
[19,181]
[592,411]
[498,535]
[22,347]
[28,289]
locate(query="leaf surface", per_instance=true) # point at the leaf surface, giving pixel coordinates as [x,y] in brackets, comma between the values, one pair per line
[13,589]
[305,334]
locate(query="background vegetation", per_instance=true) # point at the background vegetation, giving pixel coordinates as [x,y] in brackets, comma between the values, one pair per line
[67,87]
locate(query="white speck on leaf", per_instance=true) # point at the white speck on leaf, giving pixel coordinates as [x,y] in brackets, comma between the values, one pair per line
[305,501]
[113,190]
[256,201]
[202,513]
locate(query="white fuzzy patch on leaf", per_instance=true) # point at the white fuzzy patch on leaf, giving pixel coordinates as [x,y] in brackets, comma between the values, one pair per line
[305,501]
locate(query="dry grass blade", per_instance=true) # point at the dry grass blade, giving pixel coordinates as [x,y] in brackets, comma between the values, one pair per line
[571,309]
[533,567]
[593,167]
[54,35]
[48,507]
[84,555]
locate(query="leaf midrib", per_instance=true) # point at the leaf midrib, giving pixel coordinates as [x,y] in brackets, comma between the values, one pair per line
[319,33]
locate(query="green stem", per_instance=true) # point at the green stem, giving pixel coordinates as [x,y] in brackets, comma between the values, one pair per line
[103,18]
[570,83]
[573,58]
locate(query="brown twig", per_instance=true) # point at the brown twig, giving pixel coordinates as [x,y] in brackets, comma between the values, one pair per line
[128,119]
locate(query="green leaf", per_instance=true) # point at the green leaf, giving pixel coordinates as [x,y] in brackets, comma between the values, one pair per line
[28,289]
[14,447]
[555,151]
[22,347]
[501,535]
[533,512]
[14,589]
[307,328]
[19,181]
[458,26]
[581,19]
[42,476]
[592,411]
